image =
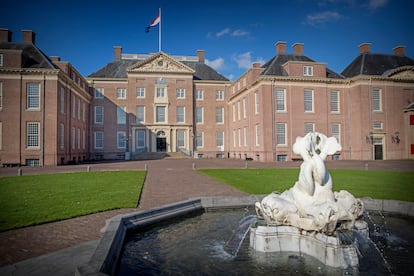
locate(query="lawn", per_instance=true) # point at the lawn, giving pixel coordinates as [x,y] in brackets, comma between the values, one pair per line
[374,184]
[35,199]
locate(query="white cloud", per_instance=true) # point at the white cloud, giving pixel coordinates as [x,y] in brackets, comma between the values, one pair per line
[239,32]
[216,64]
[375,4]
[244,61]
[230,32]
[223,32]
[323,17]
[230,77]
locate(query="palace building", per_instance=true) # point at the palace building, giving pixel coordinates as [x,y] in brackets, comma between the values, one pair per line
[146,103]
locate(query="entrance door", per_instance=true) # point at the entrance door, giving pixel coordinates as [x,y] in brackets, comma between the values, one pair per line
[161,144]
[378,155]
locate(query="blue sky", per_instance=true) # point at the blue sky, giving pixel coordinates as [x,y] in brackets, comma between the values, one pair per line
[233,33]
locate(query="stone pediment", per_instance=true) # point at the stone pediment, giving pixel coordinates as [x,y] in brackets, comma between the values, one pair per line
[404,72]
[160,63]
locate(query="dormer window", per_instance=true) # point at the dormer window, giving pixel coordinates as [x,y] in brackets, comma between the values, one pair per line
[308,71]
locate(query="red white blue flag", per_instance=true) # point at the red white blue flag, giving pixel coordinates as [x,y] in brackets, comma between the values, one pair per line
[154,22]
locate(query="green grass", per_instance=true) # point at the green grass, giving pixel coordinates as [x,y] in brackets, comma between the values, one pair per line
[374,184]
[35,199]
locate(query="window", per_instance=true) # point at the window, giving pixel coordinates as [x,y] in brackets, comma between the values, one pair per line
[62,100]
[257,135]
[121,115]
[220,139]
[120,140]
[239,136]
[199,115]
[33,96]
[140,92]
[121,93]
[219,95]
[334,102]
[83,139]
[180,138]
[99,114]
[180,93]
[74,107]
[84,112]
[308,100]
[140,114]
[160,114]
[1,59]
[180,114]
[199,95]
[281,134]
[309,127]
[281,100]
[32,162]
[256,102]
[376,100]
[219,115]
[377,125]
[199,139]
[99,93]
[307,70]
[1,135]
[245,136]
[140,139]
[336,131]
[234,138]
[79,109]
[234,112]
[160,92]
[244,108]
[73,137]
[33,135]
[99,139]
[238,110]
[1,95]
[79,138]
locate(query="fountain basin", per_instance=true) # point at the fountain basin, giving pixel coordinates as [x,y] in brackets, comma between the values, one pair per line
[107,254]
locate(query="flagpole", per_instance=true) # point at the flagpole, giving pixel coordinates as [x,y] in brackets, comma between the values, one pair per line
[159,33]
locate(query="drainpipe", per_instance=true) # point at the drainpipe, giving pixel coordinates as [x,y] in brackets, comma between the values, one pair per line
[349,123]
[272,90]
[43,119]
[370,115]
[20,118]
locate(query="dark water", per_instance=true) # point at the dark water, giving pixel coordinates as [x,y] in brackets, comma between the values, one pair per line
[196,246]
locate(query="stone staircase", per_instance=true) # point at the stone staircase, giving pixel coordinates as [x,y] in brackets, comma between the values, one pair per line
[159,155]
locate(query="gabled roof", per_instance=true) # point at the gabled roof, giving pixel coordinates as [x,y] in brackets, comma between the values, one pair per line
[119,68]
[375,64]
[274,66]
[32,57]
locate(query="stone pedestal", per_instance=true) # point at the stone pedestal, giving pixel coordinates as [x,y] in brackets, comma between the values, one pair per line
[327,249]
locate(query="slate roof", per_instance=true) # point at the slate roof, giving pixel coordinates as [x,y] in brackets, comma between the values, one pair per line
[32,57]
[375,64]
[274,66]
[117,69]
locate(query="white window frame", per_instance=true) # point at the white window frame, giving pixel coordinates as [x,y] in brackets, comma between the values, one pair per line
[99,116]
[180,93]
[160,92]
[180,117]
[138,142]
[140,92]
[140,119]
[377,125]
[281,134]
[33,96]
[307,71]
[234,138]
[239,137]
[1,59]
[98,144]
[79,138]
[79,108]
[73,138]
[256,102]
[220,115]
[220,139]
[199,95]
[234,112]
[219,95]
[158,114]
[74,107]
[33,135]
[199,116]
[257,135]
[83,139]
[334,102]
[306,94]
[121,93]
[245,136]
[377,100]
[180,138]
[62,100]
[120,140]
[199,141]
[238,110]
[121,115]
[309,127]
[281,100]
[99,93]
[336,131]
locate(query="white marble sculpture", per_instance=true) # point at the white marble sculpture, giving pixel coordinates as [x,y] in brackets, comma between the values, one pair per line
[311,204]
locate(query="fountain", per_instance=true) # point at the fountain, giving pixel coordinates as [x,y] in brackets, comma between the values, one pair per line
[306,217]
[308,229]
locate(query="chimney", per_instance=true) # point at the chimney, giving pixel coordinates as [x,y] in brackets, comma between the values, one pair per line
[118,52]
[29,36]
[399,50]
[200,54]
[280,47]
[5,35]
[364,48]
[298,49]
[256,65]
[55,58]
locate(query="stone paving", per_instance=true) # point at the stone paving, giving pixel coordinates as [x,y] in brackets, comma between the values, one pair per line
[167,181]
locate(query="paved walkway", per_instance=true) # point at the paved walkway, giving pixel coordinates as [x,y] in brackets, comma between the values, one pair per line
[61,246]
